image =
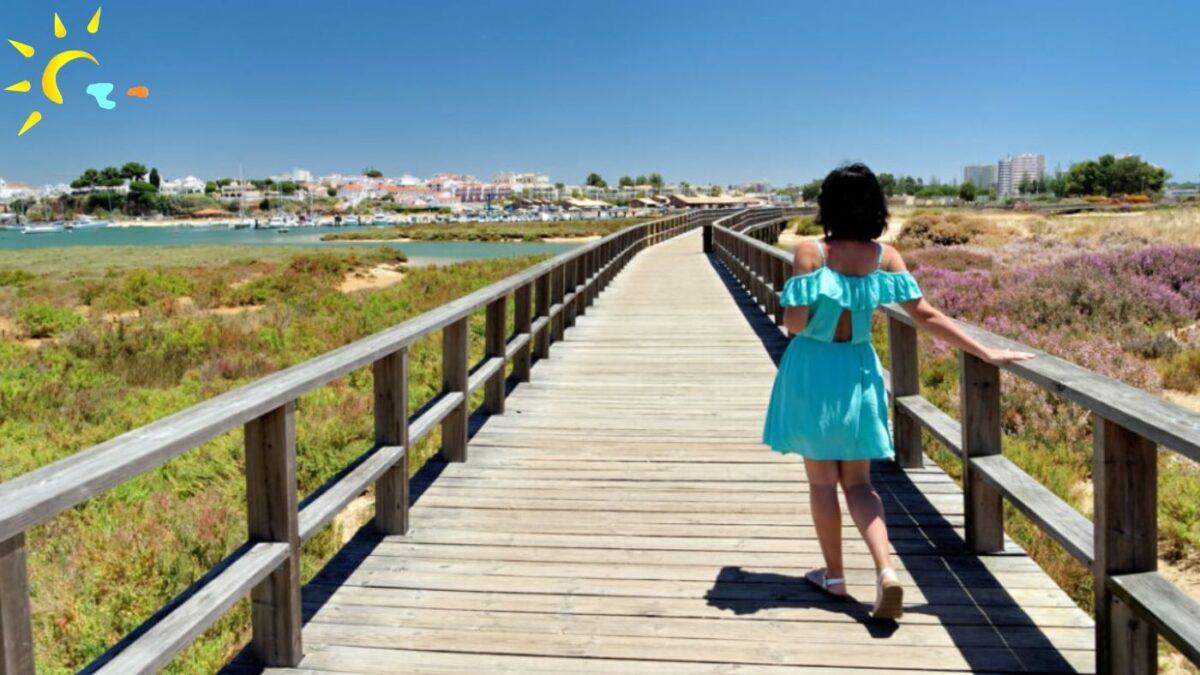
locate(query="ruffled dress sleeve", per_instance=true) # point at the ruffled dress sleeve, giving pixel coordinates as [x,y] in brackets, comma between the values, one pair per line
[853,293]
[897,287]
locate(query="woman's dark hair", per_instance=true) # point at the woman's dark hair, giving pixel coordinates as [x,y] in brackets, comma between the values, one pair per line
[852,204]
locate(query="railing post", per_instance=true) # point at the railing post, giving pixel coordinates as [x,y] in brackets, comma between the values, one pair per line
[581,277]
[495,339]
[16,621]
[779,274]
[272,516]
[708,237]
[557,294]
[906,381]
[570,283]
[1125,475]
[391,430]
[454,380]
[980,405]
[542,296]
[522,319]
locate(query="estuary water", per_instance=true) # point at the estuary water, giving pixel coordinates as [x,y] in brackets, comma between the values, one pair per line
[419,252]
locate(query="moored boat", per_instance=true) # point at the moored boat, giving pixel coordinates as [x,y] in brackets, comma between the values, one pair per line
[86,223]
[44,227]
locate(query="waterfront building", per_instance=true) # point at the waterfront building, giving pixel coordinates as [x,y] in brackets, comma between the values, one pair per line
[241,192]
[1012,171]
[183,186]
[982,176]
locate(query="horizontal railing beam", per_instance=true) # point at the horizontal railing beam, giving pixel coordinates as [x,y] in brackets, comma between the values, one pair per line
[152,646]
[1173,613]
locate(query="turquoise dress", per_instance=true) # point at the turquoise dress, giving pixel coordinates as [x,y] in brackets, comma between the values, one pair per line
[829,401]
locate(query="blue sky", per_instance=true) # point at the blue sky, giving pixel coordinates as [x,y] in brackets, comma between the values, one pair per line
[697,91]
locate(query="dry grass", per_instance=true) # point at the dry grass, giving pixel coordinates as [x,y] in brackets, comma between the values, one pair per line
[1179,225]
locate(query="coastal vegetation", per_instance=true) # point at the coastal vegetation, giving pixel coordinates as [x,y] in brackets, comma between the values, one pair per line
[488,231]
[1118,294]
[92,351]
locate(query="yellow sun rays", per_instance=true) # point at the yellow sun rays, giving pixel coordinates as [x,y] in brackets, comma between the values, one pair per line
[25,49]
[49,75]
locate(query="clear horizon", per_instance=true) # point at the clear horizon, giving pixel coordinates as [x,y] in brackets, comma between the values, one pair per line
[699,92]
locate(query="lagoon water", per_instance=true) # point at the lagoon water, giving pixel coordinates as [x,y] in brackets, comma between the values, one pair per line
[419,252]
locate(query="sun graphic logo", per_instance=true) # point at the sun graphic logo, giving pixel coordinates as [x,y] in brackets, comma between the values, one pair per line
[99,91]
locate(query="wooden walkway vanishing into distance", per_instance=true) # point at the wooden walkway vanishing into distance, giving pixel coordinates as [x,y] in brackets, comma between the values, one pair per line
[622,516]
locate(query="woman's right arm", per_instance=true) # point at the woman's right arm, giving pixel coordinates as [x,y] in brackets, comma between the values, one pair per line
[805,259]
[931,320]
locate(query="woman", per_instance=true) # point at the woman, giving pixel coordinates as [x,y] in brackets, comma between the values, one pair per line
[829,404]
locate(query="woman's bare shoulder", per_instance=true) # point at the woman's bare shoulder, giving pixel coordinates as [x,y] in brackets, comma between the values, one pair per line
[892,260]
[806,257]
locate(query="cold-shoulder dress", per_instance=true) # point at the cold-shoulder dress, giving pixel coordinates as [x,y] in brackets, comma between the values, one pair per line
[829,401]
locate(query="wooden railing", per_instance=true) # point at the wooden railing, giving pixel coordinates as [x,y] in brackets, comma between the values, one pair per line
[547,298]
[1134,603]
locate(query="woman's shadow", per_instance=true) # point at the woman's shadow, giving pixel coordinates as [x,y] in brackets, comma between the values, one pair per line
[744,592]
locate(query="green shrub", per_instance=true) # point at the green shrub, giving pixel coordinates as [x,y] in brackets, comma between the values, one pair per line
[1182,371]
[806,226]
[16,278]
[43,321]
[1152,346]
[950,230]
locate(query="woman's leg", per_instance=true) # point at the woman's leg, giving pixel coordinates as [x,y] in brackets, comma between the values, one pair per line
[866,508]
[827,516]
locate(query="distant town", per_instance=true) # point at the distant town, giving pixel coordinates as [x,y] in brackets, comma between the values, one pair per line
[134,193]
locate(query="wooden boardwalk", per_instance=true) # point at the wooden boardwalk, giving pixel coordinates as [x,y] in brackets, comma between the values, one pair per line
[622,517]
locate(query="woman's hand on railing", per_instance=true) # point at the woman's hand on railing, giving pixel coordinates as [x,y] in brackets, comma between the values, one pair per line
[998,357]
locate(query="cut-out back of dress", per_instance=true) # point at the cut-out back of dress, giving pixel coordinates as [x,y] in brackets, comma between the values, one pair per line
[831,296]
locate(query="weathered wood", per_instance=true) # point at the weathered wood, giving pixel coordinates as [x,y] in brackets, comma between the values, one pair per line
[433,414]
[906,381]
[981,437]
[455,373]
[522,319]
[1150,416]
[152,646]
[16,622]
[484,373]
[571,288]
[941,426]
[496,341]
[320,508]
[557,294]
[273,517]
[1125,475]
[391,429]
[542,337]
[1052,515]
[1172,612]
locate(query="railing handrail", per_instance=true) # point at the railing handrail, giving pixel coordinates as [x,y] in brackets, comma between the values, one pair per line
[41,494]
[1133,602]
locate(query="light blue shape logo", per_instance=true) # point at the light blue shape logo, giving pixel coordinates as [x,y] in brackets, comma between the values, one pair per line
[101,91]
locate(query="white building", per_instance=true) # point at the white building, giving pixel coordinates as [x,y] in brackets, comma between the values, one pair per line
[241,192]
[1012,171]
[183,186]
[297,176]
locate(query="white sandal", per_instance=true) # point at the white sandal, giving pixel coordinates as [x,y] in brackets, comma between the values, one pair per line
[825,582]
[889,596]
